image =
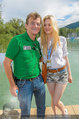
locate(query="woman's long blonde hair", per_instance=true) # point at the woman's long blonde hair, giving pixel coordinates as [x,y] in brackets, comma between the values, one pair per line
[55,34]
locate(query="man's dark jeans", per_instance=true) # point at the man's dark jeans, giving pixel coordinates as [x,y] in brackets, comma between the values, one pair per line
[26,91]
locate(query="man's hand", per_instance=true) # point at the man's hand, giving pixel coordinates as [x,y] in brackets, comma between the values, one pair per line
[13,90]
[41,59]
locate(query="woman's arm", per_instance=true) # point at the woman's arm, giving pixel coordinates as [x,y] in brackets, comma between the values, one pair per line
[68,69]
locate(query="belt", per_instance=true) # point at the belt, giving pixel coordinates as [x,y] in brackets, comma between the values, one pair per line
[56,70]
[31,79]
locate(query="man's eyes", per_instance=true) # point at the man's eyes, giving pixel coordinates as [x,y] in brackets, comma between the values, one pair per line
[34,23]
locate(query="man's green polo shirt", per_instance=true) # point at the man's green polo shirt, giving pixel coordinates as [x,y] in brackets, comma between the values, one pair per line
[25,54]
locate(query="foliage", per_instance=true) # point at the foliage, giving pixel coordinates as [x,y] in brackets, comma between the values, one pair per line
[9,30]
[66,31]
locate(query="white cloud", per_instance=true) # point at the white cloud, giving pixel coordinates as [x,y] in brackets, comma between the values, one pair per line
[74,11]
[58,8]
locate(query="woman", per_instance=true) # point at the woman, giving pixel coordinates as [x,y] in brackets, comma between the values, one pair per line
[54,49]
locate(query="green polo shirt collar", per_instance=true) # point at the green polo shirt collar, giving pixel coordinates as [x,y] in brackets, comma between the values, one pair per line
[28,37]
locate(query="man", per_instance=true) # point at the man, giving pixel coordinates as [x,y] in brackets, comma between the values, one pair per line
[24,51]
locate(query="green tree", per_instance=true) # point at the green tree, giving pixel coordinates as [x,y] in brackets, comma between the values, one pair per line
[9,30]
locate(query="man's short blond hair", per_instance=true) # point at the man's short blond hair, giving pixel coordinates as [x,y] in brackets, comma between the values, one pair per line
[33,15]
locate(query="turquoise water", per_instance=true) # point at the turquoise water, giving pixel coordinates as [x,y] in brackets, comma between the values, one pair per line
[70,96]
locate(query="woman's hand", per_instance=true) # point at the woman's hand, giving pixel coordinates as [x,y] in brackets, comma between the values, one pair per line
[69,78]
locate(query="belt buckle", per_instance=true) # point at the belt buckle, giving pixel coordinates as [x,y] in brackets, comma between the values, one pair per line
[30,79]
[20,79]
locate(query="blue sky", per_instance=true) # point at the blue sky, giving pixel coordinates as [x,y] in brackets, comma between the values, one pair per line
[65,11]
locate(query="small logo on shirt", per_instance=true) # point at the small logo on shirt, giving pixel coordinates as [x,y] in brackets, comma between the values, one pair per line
[27,47]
